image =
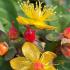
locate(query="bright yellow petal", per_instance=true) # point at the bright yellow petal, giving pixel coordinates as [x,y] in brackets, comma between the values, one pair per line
[42,25]
[47,57]
[36,23]
[50,67]
[30,51]
[36,12]
[24,21]
[20,63]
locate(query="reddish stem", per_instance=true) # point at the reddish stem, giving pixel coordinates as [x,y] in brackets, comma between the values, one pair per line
[28,26]
[12,22]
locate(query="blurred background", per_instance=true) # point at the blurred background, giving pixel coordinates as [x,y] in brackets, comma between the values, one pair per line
[10,9]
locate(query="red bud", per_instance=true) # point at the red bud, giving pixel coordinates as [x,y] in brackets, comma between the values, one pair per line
[29,35]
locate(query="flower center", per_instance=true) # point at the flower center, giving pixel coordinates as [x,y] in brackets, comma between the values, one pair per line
[38,65]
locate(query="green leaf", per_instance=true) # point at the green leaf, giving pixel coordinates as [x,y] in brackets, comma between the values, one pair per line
[52,41]
[8,13]
[51,45]
[2,28]
[4,65]
[53,36]
[3,37]
[10,54]
[62,63]
[1,61]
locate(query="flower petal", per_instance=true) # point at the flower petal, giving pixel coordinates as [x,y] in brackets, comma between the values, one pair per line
[43,25]
[36,23]
[20,63]
[50,67]
[36,12]
[47,57]
[30,51]
[24,21]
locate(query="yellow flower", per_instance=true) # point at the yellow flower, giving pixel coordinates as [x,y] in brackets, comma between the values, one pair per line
[36,15]
[33,59]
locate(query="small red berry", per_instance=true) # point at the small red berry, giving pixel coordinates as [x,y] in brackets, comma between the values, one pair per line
[13,33]
[29,35]
[66,33]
